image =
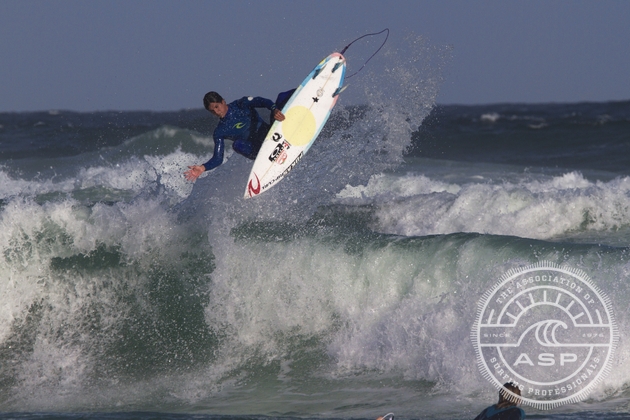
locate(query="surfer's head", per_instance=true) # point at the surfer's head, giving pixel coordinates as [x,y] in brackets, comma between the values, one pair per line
[509,399]
[215,103]
[212,97]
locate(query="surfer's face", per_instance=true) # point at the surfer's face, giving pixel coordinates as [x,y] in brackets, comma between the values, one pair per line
[218,108]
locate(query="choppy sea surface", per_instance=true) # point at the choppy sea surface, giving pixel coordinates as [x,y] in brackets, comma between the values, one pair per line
[346,291]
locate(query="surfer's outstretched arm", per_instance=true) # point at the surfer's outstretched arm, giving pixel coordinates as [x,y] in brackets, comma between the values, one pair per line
[195,171]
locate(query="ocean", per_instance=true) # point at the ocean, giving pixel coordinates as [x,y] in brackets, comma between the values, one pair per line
[347,291]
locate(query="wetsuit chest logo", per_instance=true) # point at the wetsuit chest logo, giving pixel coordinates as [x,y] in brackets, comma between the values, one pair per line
[239,125]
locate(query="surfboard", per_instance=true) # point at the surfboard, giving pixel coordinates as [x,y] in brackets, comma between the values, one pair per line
[306,112]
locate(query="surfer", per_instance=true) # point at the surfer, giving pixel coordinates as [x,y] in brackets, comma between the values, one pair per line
[507,407]
[238,121]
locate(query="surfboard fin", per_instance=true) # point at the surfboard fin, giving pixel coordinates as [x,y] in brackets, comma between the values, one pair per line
[339,90]
[319,70]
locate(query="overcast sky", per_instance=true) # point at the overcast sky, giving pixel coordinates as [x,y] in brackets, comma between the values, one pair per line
[165,54]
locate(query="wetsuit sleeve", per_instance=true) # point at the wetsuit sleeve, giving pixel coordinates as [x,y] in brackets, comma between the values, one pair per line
[256,102]
[217,156]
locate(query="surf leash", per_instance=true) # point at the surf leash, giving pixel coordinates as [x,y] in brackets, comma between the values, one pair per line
[376,52]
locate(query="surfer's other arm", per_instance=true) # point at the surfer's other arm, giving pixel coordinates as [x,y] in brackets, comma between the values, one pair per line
[277,115]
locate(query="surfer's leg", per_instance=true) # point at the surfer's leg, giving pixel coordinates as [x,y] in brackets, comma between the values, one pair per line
[281,100]
[245,148]
[283,97]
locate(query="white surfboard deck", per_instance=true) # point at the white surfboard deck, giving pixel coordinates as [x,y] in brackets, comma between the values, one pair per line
[305,113]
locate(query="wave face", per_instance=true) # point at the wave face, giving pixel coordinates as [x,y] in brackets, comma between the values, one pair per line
[348,289]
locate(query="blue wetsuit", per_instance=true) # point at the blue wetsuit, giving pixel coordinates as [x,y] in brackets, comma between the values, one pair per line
[244,126]
[507,413]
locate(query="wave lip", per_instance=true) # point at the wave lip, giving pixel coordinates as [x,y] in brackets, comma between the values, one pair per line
[552,208]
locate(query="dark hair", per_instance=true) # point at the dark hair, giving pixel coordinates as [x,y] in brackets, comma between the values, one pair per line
[507,399]
[210,98]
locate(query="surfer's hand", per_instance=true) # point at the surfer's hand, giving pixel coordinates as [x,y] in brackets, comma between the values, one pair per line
[278,115]
[193,172]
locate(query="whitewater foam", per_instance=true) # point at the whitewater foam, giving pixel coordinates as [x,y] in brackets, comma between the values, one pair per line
[415,205]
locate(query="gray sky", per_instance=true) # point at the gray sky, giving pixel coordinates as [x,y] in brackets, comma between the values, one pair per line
[165,54]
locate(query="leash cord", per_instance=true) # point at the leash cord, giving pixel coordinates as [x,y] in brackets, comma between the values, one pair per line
[376,52]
